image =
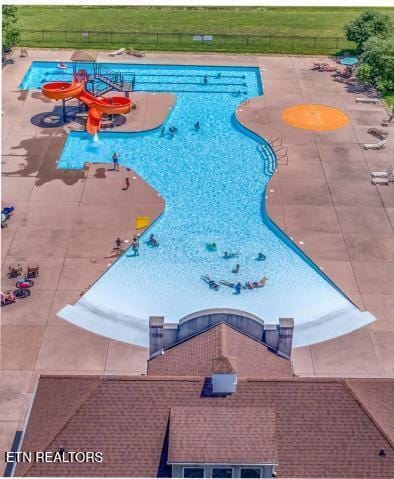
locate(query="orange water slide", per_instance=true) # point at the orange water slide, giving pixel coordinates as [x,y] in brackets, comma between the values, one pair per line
[94,120]
[97,106]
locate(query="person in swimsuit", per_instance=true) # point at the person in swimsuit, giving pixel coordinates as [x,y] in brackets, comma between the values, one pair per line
[115,160]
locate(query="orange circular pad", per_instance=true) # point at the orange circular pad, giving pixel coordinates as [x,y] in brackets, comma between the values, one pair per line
[315,117]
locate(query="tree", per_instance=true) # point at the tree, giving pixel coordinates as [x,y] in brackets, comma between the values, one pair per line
[377,64]
[11,30]
[369,24]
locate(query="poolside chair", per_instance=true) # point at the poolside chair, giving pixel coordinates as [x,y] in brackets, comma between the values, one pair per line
[381,134]
[135,53]
[382,181]
[117,52]
[375,146]
[383,174]
[32,272]
[367,100]
[387,121]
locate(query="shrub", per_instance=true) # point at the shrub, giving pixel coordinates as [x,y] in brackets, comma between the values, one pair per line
[377,64]
[369,24]
[11,30]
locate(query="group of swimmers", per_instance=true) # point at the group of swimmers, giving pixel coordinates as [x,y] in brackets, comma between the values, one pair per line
[226,255]
[135,246]
[173,129]
[238,286]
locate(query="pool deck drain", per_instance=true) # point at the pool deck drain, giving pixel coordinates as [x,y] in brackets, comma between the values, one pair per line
[322,198]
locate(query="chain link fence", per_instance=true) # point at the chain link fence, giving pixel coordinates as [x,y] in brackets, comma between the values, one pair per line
[184,41]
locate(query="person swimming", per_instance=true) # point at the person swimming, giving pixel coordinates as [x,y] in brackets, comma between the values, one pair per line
[197,126]
[210,282]
[260,257]
[153,241]
[173,129]
[238,288]
[211,247]
[163,130]
[205,80]
[230,255]
[236,269]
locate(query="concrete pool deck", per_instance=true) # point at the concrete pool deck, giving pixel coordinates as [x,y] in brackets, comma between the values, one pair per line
[322,197]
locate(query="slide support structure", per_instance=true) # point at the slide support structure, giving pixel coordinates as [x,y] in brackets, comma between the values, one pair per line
[64,111]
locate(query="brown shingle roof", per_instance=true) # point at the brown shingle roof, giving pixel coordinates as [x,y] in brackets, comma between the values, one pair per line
[321,429]
[224,365]
[377,397]
[195,356]
[228,435]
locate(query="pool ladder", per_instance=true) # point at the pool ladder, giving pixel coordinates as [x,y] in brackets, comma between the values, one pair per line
[274,153]
[269,158]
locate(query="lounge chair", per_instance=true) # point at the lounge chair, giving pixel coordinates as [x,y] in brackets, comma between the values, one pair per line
[367,100]
[387,121]
[117,52]
[383,174]
[381,134]
[32,272]
[135,53]
[375,146]
[382,181]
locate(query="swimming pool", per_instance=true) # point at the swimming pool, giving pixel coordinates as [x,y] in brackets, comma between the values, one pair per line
[213,182]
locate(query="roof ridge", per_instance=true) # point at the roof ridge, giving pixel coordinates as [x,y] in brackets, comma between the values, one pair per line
[222,340]
[368,412]
[77,407]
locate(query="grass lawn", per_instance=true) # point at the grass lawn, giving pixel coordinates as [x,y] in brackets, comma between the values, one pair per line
[238,22]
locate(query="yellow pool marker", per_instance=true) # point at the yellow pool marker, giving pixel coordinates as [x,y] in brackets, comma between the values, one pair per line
[315,117]
[141,222]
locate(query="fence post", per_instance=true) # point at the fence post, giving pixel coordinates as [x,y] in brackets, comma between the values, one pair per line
[336,46]
[314,43]
[111,37]
[65,36]
[247,40]
[157,38]
[42,35]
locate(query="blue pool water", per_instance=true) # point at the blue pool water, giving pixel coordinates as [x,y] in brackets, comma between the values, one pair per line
[213,182]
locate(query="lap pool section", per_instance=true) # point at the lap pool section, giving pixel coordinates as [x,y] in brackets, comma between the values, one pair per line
[213,182]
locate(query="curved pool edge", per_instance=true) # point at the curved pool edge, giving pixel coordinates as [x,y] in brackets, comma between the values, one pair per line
[133,330]
[275,228]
